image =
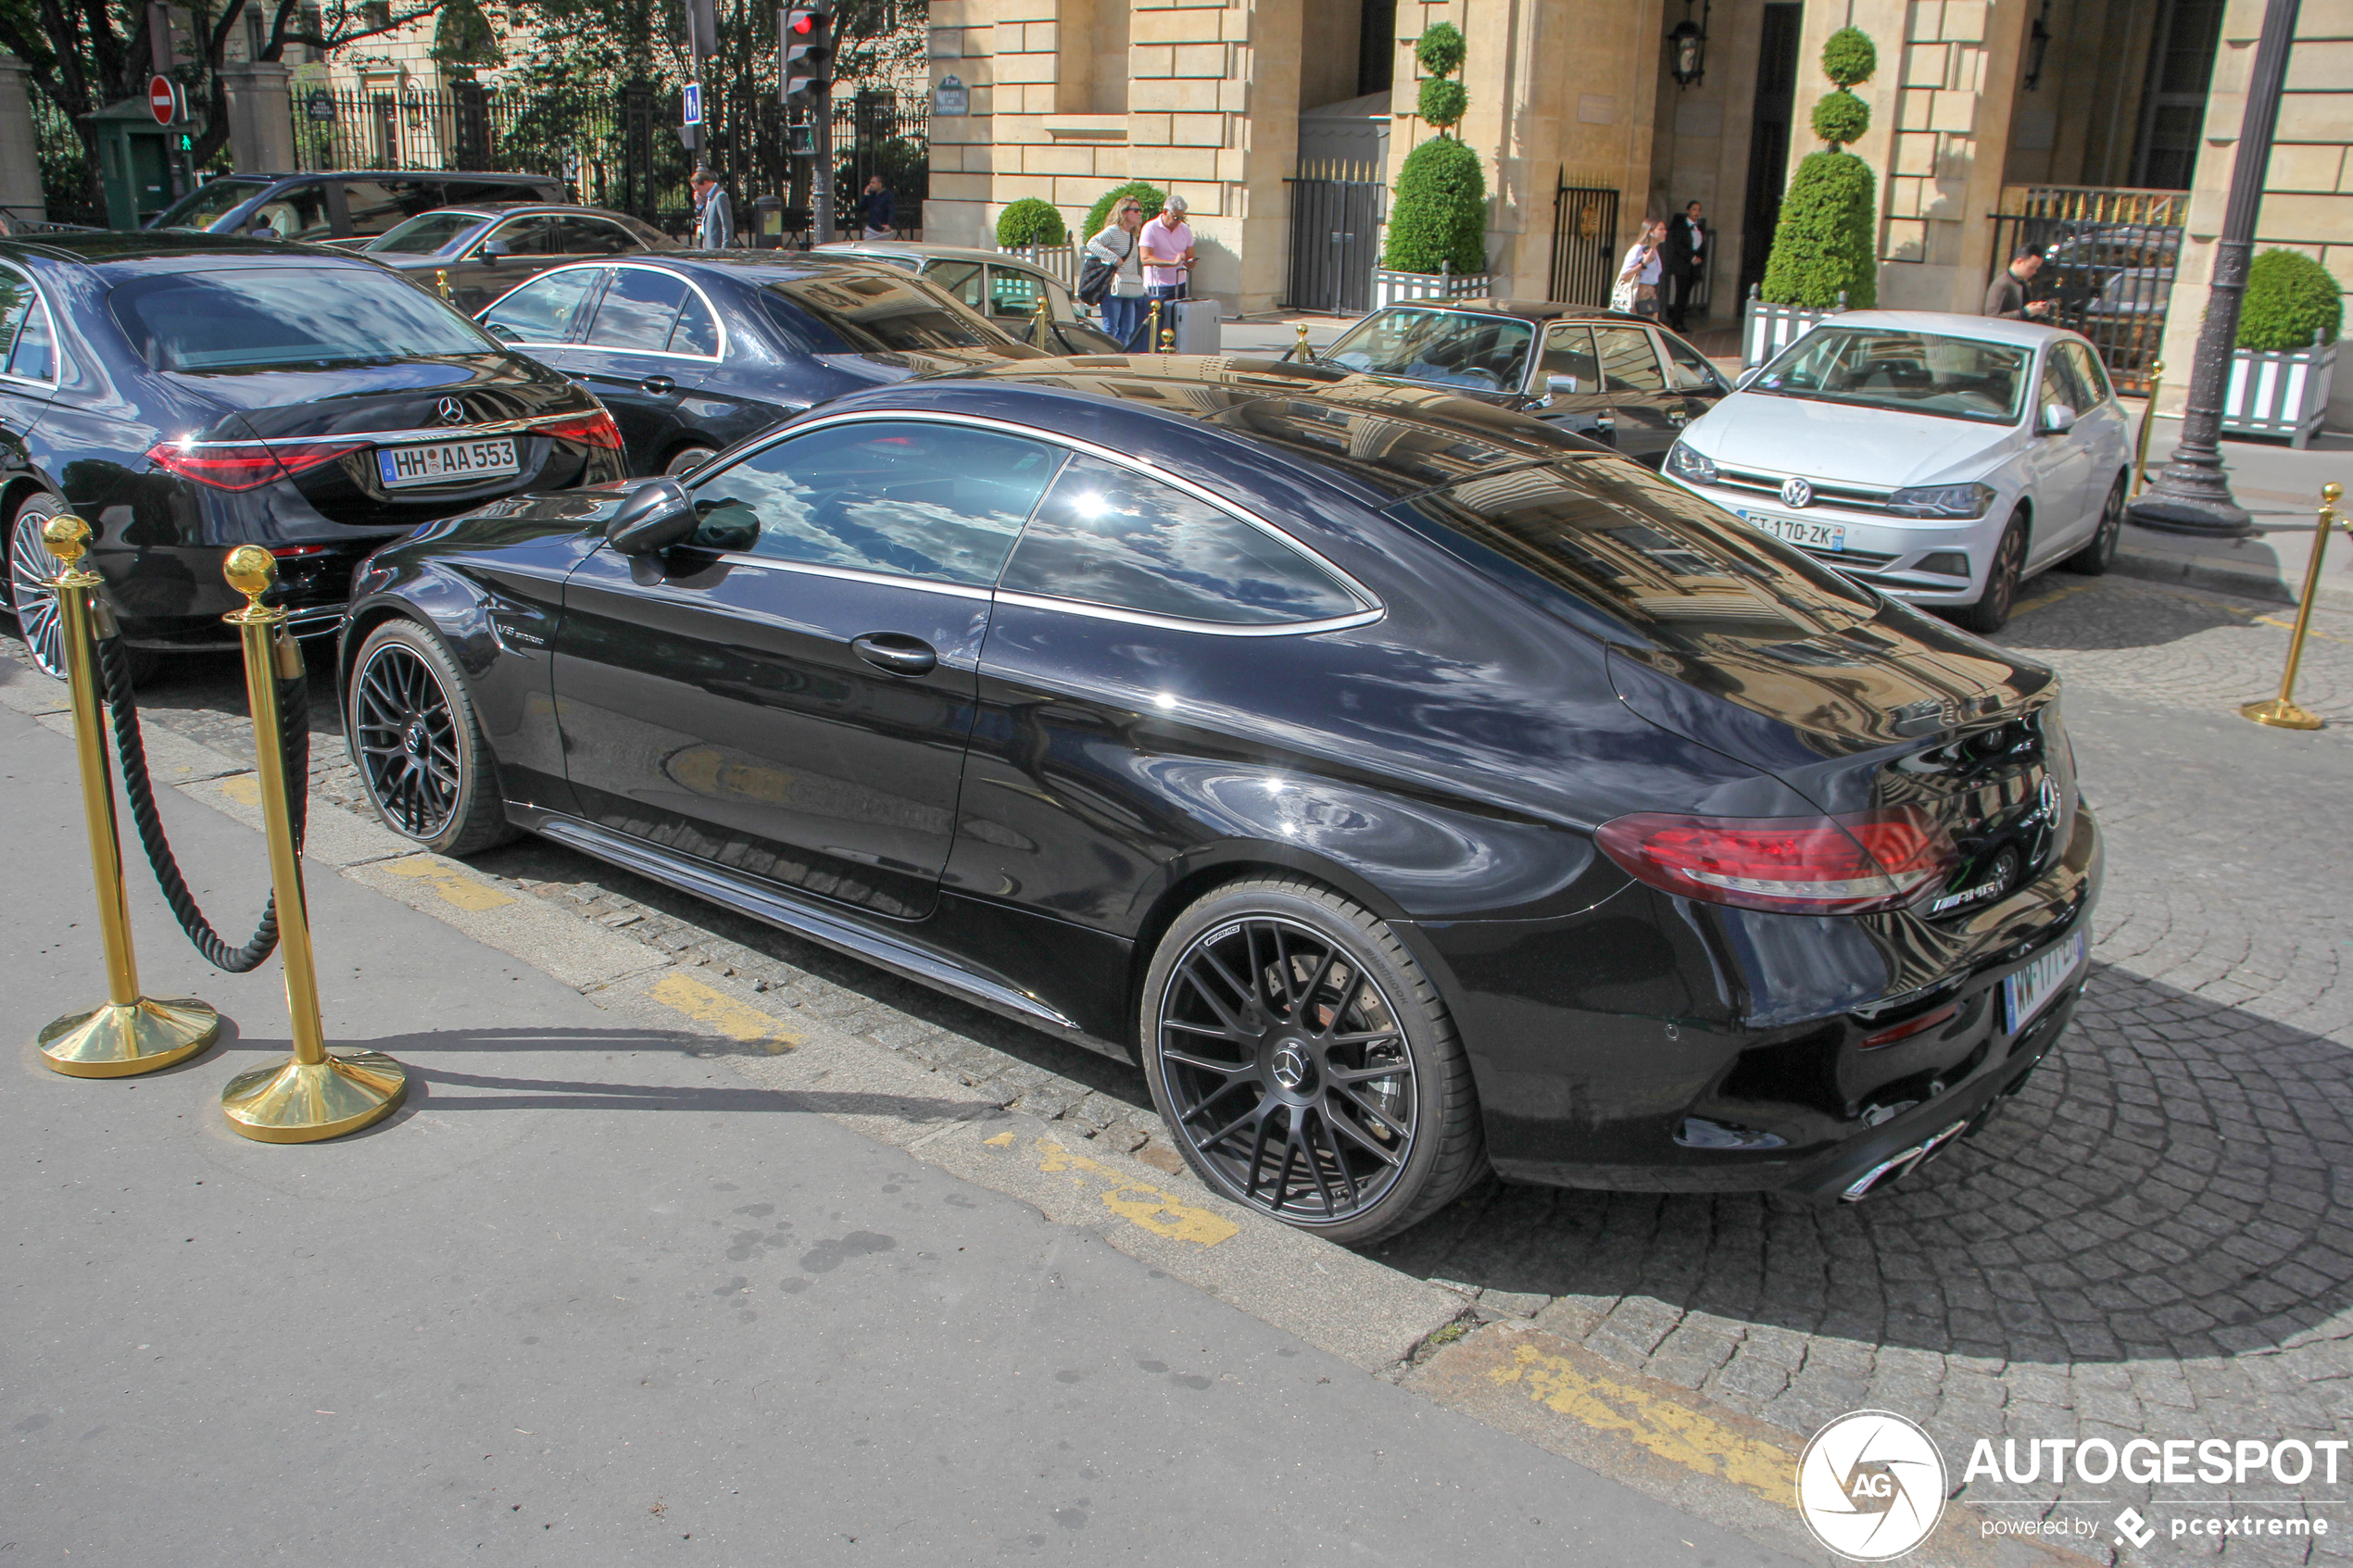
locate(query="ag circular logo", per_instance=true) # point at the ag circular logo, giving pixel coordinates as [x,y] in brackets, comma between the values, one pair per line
[1870,1485]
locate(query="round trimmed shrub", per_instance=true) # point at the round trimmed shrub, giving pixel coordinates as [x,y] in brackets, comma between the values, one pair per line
[1147,195]
[1440,212]
[1840,118]
[1848,56]
[1442,101]
[1441,49]
[2289,296]
[1030,222]
[1823,244]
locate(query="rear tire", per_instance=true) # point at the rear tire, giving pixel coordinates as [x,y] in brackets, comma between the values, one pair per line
[1305,1065]
[418,744]
[1992,610]
[2100,553]
[30,566]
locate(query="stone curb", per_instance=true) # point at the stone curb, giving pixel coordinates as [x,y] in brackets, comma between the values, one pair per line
[2157,566]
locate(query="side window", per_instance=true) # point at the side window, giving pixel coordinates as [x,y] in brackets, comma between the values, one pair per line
[1107,535]
[524,237]
[1012,292]
[542,311]
[1569,351]
[2058,386]
[696,332]
[638,310]
[962,279]
[34,357]
[1686,369]
[1629,360]
[2089,371]
[460,190]
[592,236]
[938,502]
[376,206]
[17,300]
[297,212]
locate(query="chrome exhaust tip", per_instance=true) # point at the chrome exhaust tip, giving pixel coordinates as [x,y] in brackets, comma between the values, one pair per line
[1889,1170]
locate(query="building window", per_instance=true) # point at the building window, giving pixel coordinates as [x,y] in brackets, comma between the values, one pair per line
[314,25]
[2173,108]
[376,14]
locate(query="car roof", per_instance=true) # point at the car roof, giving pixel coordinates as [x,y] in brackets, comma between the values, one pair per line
[1948,323]
[503,176]
[1525,310]
[109,248]
[929,252]
[509,209]
[752,266]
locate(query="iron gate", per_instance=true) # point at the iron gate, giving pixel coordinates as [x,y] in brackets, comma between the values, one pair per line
[1584,245]
[1335,222]
[2109,258]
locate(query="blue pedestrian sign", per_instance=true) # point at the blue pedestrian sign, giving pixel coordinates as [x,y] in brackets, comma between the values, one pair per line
[694,103]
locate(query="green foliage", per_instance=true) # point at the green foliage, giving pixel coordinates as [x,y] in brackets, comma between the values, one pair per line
[1030,222]
[2289,297]
[1147,195]
[1848,56]
[1440,212]
[1440,50]
[1824,242]
[462,40]
[1442,101]
[1840,118]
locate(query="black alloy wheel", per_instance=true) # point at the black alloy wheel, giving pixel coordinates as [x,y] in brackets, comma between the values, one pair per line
[31,570]
[2099,552]
[418,744]
[686,459]
[1306,1064]
[1992,610]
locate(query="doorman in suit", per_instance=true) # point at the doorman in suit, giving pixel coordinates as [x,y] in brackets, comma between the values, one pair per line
[1688,254]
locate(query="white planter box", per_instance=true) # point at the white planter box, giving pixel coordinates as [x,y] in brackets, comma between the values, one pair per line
[1060,262]
[1765,329]
[2279,394]
[1397,288]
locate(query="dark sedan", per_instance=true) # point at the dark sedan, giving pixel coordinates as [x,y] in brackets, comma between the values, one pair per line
[1622,381]
[696,352]
[472,254]
[1405,784]
[188,394]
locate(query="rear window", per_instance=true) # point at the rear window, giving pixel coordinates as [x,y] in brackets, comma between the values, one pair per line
[210,203]
[268,317]
[881,313]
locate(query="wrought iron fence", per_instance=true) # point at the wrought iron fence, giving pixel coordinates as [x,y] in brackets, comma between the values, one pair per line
[2109,260]
[1336,211]
[64,164]
[1584,245]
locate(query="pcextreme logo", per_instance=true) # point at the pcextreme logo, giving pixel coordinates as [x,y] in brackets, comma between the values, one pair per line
[1870,1485]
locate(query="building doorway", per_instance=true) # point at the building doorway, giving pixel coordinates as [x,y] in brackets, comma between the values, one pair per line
[1769,138]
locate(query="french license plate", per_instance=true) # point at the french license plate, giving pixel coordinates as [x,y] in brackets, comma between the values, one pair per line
[443,462]
[2025,993]
[1799,531]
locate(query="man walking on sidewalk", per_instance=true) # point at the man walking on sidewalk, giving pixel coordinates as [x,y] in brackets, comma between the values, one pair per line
[714,220]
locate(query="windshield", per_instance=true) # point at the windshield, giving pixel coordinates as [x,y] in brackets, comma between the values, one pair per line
[426,232]
[281,318]
[1449,347]
[208,204]
[878,313]
[1952,378]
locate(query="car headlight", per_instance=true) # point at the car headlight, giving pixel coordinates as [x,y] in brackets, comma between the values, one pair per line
[1684,464]
[1942,500]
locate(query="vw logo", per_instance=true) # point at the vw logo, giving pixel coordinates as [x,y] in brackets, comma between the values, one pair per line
[1290,1067]
[1797,493]
[453,412]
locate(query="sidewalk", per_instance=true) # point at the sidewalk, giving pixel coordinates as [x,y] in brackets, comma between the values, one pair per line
[2282,487]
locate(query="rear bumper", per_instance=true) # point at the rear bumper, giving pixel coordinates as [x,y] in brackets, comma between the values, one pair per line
[173,596]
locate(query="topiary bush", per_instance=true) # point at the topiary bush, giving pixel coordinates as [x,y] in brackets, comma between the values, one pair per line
[1823,245]
[2289,296]
[1030,222]
[1151,198]
[1440,215]
[1848,56]
[1441,49]
[1840,118]
[1442,101]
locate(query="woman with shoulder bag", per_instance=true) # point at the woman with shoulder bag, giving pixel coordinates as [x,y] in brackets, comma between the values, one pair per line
[1113,276]
[1637,289]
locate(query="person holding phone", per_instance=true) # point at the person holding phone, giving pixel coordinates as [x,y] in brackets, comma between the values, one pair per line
[1168,258]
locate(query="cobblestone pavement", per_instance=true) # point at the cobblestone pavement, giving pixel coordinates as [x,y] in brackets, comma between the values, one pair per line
[2156,1240]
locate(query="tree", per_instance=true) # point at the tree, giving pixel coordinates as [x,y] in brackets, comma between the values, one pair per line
[1440,217]
[1826,243]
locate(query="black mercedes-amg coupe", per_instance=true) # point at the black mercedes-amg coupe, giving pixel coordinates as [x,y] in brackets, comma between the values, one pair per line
[1407,785]
[186,394]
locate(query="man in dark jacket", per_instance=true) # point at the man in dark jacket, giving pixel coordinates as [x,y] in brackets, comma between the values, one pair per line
[876,209]
[1687,259]
[2006,295]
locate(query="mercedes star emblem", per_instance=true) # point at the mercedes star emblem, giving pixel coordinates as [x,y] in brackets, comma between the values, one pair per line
[1797,493]
[453,412]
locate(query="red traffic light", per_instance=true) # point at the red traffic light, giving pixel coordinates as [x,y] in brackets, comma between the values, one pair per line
[804,22]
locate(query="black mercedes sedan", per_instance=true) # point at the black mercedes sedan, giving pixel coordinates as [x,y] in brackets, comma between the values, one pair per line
[189,394]
[1622,381]
[1407,785]
[696,352]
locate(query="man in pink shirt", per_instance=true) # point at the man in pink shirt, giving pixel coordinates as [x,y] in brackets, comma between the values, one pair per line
[1169,256]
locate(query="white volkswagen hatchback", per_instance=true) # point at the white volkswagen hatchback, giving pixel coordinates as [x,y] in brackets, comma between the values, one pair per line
[1942,459]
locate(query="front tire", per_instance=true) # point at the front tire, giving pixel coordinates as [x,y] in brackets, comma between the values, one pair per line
[419,746]
[31,568]
[2099,552]
[1992,610]
[1304,1063]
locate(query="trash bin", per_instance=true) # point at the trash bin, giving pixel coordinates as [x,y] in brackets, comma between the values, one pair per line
[1199,326]
[767,223]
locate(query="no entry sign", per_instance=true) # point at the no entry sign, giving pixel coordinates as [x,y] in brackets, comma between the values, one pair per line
[163,99]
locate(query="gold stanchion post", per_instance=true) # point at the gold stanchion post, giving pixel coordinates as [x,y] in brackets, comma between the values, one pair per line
[1041,326]
[130,1033]
[1304,354]
[1151,328]
[2280,713]
[1168,339]
[314,1096]
[2148,414]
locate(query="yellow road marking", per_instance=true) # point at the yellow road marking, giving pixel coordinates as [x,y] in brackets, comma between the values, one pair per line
[2030,606]
[455,887]
[2290,626]
[1140,1203]
[723,1013]
[244,787]
[1673,1432]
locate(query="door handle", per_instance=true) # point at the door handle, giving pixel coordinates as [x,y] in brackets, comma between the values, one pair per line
[897,652]
[1605,421]
[659,386]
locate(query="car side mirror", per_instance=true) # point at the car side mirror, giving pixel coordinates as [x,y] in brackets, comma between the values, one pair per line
[492,250]
[2058,418]
[657,515]
[1746,376]
[1566,385]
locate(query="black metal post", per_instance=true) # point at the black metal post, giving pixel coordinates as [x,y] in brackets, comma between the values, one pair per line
[821,175]
[2192,495]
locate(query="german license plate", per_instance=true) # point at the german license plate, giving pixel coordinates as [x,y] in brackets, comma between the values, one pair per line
[1798,530]
[446,462]
[2025,993]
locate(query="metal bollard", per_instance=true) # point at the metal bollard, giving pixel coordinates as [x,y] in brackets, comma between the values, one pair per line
[2148,413]
[130,1033]
[1041,326]
[1151,328]
[1168,339]
[314,1096]
[1300,349]
[2280,713]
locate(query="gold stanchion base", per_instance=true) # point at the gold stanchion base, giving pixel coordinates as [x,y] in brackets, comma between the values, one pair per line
[293,1103]
[2281,715]
[121,1041]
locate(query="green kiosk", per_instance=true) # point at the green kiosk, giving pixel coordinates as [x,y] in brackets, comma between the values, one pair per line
[134,161]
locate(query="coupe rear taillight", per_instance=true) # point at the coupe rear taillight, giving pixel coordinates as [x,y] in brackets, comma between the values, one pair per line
[585,430]
[246,465]
[1844,865]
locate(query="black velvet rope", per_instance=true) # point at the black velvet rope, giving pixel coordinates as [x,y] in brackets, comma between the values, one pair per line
[294,718]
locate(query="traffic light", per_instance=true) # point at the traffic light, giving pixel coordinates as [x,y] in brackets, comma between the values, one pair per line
[805,44]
